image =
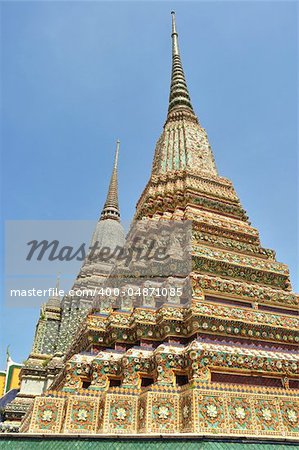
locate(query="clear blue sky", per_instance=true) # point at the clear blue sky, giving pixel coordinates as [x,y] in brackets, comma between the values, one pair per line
[78,75]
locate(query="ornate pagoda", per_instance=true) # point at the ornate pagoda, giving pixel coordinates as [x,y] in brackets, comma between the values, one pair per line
[219,361]
[59,318]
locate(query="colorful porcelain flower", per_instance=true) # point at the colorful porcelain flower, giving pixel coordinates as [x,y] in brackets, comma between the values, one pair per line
[163,412]
[82,414]
[47,415]
[212,411]
[267,415]
[240,412]
[121,413]
[292,416]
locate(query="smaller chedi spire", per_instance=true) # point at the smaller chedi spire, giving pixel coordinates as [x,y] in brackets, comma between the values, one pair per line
[55,300]
[109,231]
[179,97]
[111,208]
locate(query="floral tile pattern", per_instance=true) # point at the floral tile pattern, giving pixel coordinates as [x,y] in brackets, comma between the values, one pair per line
[120,413]
[290,415]
[240,415]
[47,415]
[210,412]
[82,415]
[266,415]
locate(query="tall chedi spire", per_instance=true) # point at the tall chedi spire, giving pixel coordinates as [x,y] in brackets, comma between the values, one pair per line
[183,147]
[179,97]
[108,233]
[111,208]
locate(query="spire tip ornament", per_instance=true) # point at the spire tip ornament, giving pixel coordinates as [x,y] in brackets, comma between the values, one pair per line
[57,287]
[116,154]
[179,97]
[111,208]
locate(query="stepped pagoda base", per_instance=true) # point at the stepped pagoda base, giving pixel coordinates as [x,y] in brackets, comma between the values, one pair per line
[198,407]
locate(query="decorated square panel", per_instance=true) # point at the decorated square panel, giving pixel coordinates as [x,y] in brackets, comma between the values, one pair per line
[290,415]
[240,415]
[47,415]
[267,418]
[120,413]
[164,412]
[211,410]
[82,415]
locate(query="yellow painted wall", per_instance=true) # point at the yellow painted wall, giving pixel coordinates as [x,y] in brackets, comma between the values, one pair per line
[11,376]
[15,381]
[2,383]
